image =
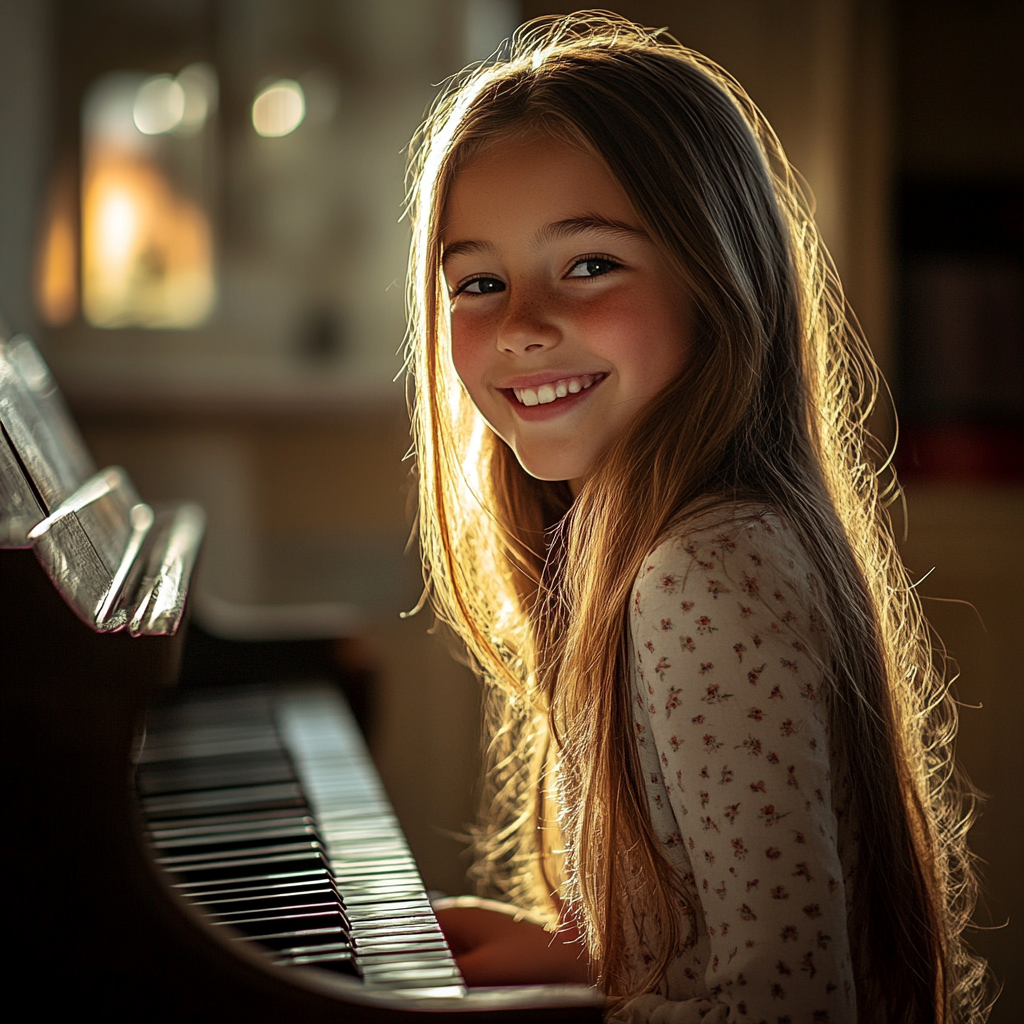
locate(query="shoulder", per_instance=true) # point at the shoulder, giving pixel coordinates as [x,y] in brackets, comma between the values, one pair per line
[744,558]
[745,543]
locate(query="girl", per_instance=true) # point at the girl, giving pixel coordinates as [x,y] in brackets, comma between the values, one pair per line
[720,783]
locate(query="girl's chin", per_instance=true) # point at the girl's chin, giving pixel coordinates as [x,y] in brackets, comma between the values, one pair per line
[554,469]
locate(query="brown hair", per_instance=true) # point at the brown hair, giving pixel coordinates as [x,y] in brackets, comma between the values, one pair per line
[771,409]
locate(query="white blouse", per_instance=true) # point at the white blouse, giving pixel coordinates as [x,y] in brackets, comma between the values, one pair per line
[731,722]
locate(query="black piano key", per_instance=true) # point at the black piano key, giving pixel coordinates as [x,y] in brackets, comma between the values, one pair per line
[309,939]
[341,962]
[326,949]
[251,833]
[325,898]
[210,745]
[272,796]
[192,777]
[205,855]
[224,843]
[246,868]
[226,908]
[251,912]
[328,918]
[226,823]
[269,882]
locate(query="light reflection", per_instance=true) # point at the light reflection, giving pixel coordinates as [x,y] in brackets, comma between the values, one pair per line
[164,104]
[199,84]
[159,105]
[279,109]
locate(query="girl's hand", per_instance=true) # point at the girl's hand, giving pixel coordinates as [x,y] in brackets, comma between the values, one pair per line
[492,947]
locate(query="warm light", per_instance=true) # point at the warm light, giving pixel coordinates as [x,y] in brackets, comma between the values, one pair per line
[56,279]
[117,225]
[279,109]
[147,253]
[159,105]
[146,242]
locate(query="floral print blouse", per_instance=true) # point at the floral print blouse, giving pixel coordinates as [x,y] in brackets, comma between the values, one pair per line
[731,724]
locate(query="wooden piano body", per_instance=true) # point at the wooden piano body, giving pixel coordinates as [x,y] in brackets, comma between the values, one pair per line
[92,593]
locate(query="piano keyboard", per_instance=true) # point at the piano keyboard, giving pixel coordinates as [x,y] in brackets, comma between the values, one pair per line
[264,807]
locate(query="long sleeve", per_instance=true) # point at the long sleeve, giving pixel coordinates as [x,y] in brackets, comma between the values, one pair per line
[731,719]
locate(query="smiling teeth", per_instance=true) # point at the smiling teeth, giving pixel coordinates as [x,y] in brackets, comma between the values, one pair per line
[547,393]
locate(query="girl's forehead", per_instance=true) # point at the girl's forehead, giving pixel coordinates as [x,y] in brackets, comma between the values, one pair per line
[527,178]
[519,147]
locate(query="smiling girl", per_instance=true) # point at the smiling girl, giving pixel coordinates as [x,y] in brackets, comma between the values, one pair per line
[720,780]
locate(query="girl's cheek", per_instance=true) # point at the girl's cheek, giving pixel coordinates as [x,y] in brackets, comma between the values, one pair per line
[610,324]
[639,332]
[469,352]
[461,345]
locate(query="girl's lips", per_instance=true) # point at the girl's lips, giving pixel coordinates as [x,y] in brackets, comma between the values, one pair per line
[548,409]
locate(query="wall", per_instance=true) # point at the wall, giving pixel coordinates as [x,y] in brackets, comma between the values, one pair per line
[959,86]
[971,539]
[24,89]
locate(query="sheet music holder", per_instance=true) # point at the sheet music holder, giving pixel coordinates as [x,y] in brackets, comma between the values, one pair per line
[117,562]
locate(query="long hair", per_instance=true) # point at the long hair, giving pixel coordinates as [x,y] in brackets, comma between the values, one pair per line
[771,408]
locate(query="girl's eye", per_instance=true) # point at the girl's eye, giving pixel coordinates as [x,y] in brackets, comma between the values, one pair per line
[481,286]
[593,266]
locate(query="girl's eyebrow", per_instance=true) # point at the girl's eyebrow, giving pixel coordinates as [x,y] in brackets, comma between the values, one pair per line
[559,229]
[589,222]
[462,248]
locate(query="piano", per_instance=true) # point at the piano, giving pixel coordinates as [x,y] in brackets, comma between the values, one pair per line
[211,854]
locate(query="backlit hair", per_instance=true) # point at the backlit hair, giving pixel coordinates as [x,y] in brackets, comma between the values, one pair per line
[771,409]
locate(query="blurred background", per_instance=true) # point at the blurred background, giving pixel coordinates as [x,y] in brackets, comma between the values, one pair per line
[200,224]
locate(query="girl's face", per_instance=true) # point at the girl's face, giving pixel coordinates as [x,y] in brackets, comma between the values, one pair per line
[565,317]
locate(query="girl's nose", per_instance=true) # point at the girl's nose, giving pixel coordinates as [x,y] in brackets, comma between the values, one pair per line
[527,325]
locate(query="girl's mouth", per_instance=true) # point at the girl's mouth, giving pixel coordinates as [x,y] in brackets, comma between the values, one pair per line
[552,398]
[556,389]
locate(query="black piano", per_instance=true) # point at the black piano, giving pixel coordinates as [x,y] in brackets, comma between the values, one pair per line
[225,853]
